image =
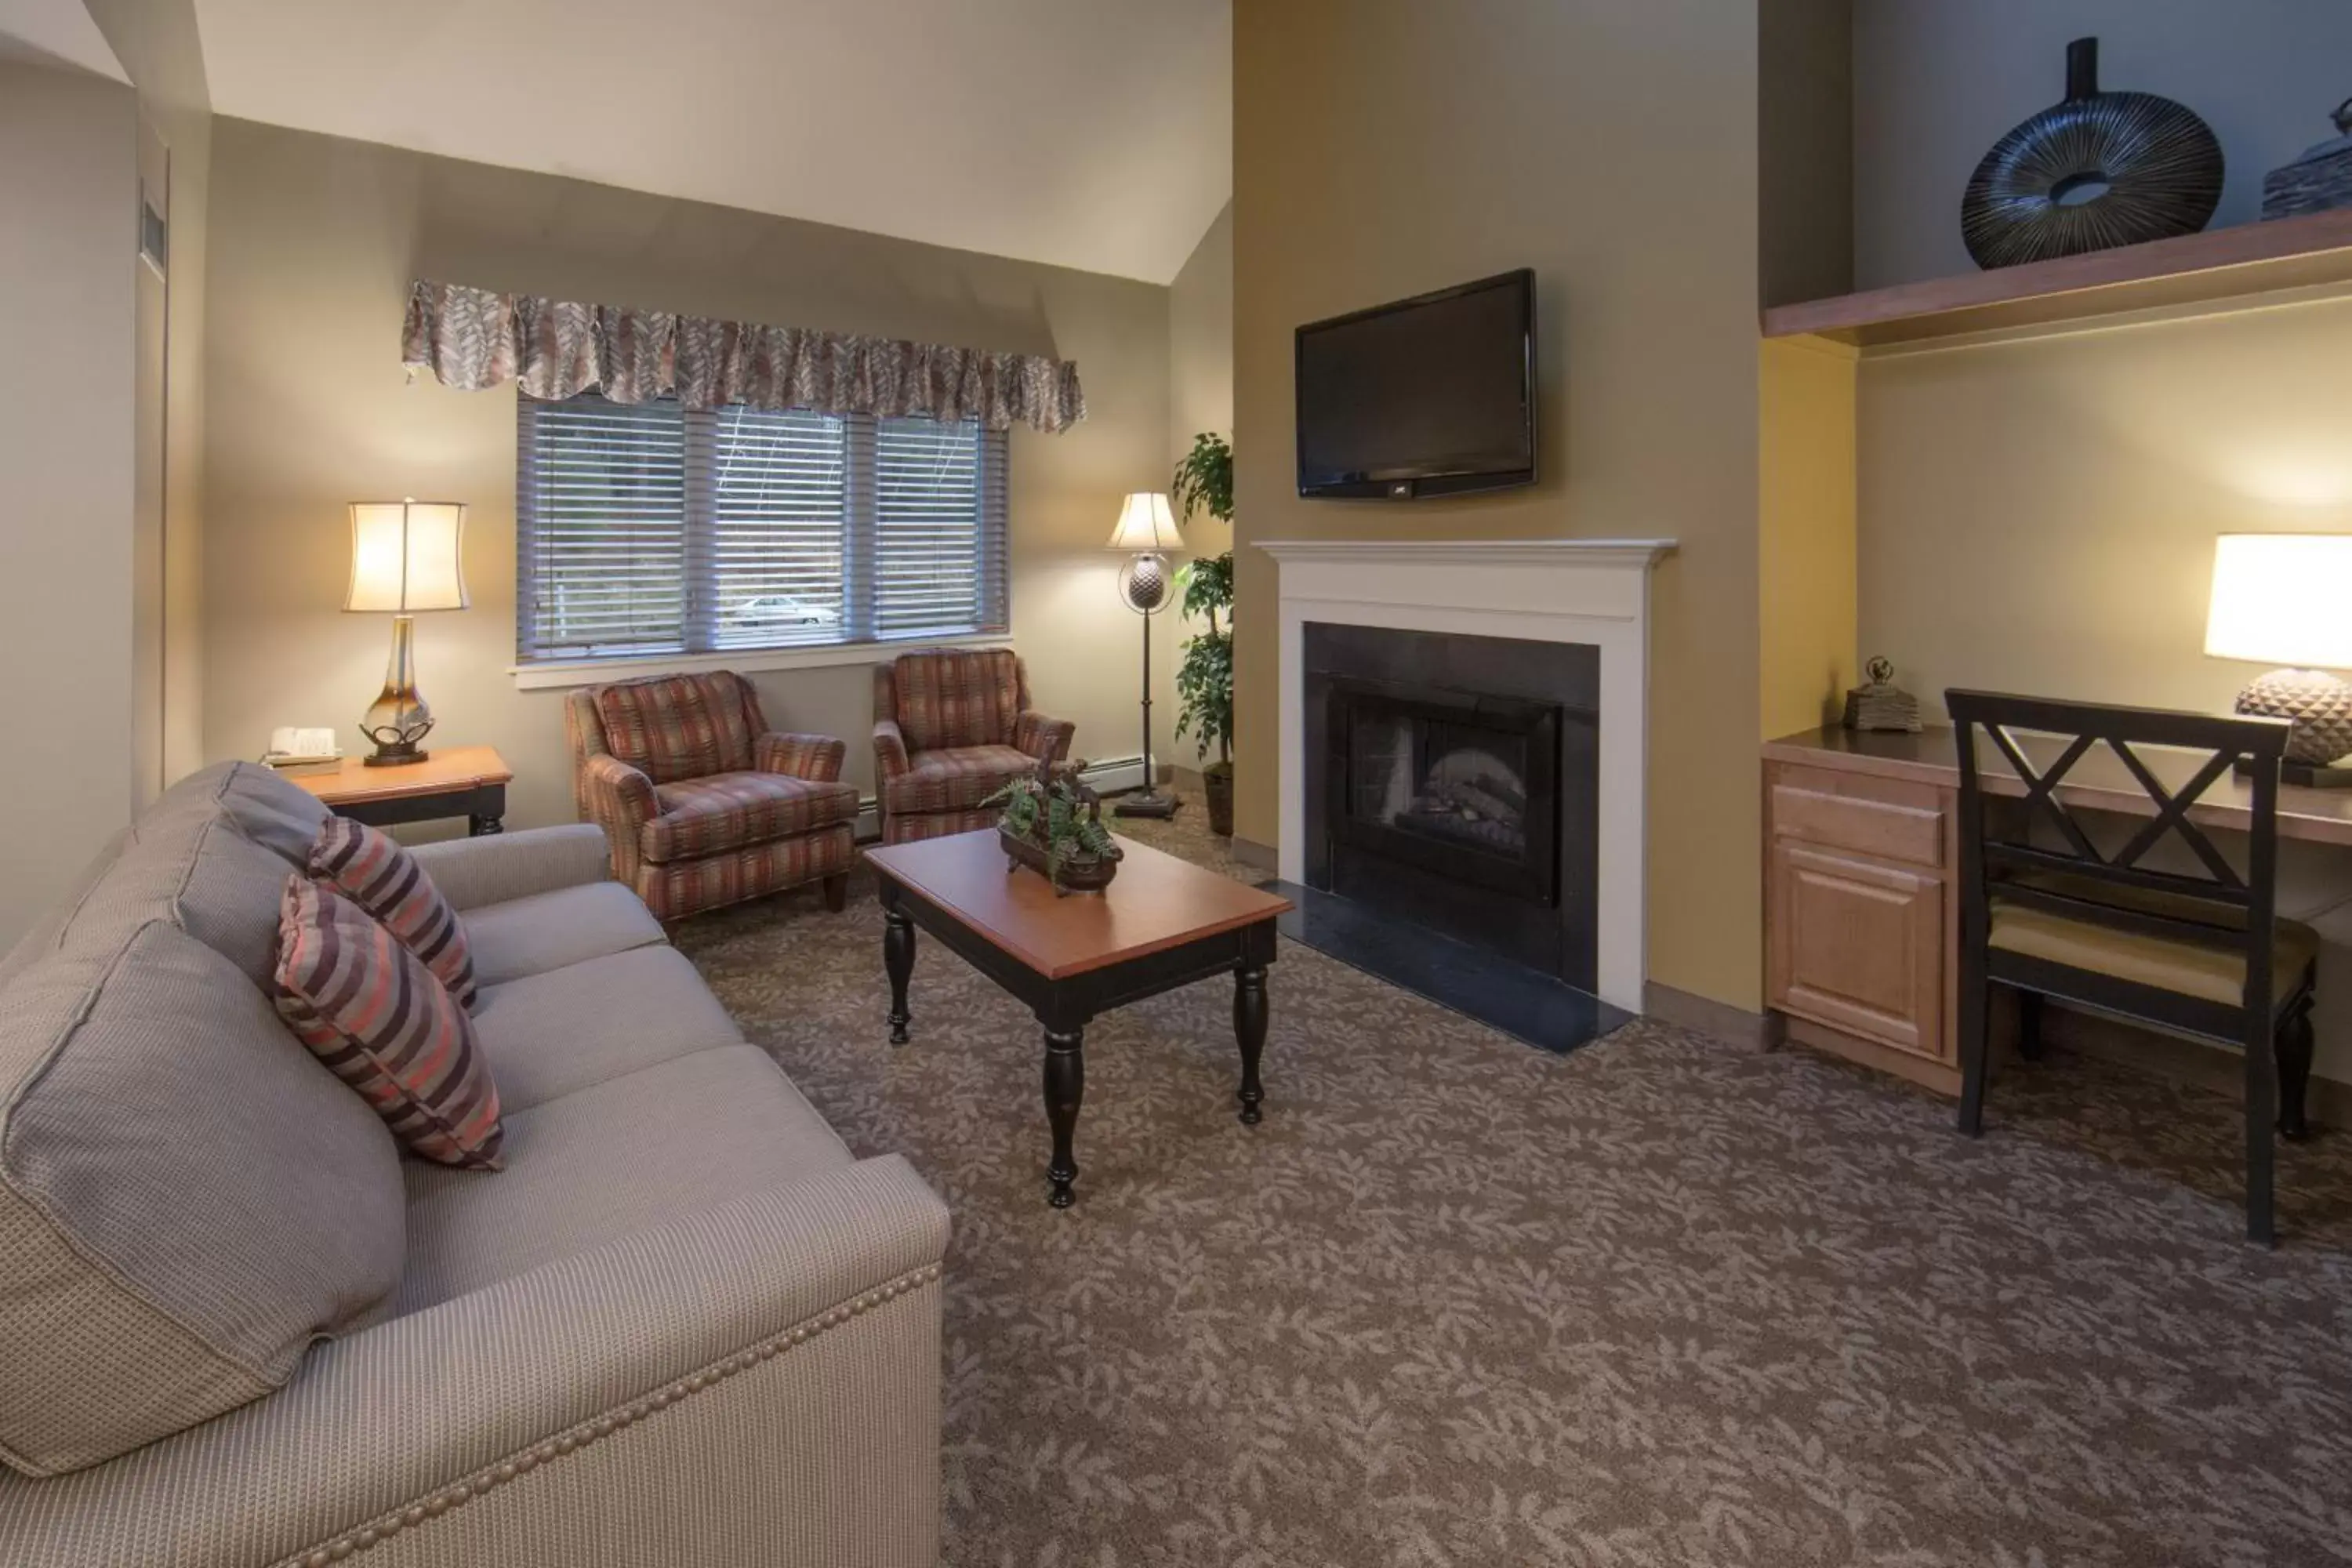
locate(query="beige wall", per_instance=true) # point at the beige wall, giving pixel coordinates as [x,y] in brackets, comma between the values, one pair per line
[1938,82]
[68,150]
[157,44]
[1201,365]
[313,243]
[2039,515]
[1385,147]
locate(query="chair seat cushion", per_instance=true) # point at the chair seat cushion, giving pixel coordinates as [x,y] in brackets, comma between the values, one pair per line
[731,811]
[545,931]
[955,778]
[2187,968]
[550,1035]
[630,1153]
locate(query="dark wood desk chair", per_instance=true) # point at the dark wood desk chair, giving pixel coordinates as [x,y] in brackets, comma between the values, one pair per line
[2203,955]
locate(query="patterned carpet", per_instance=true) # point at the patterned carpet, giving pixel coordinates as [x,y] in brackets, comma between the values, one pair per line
[1659,1302]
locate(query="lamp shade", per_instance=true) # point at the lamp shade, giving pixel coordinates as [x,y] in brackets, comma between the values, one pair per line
[407,555]
[2281,599]
[1146,523]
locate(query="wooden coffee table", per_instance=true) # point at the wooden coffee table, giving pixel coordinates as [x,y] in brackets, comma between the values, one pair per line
[1163,923]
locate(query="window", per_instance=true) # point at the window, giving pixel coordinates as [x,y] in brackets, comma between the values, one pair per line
[654,529]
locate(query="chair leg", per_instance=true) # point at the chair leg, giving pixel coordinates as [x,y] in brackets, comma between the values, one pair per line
[2293,1047]
[2029,1024]
[836,891]
[2262,1107]
[1975,992]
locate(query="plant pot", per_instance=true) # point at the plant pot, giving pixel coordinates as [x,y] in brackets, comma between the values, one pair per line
[1087,874]
[1217,783]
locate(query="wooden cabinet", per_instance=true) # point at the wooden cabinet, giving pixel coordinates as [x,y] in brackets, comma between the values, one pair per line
[1861,917]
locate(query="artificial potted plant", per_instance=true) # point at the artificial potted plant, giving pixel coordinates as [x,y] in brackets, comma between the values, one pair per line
[1053,825]
[1204,481]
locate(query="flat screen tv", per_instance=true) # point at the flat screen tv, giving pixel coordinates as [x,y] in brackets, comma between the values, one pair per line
[1432,395]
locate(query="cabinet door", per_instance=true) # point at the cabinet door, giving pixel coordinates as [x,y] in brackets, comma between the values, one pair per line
[1859,946]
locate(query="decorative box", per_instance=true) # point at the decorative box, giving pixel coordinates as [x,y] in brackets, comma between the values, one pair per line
[1882,705]
[2320,181]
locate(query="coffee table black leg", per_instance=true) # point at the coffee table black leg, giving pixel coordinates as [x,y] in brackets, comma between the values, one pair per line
[1249,1029]
[1066,1090]
[898,958]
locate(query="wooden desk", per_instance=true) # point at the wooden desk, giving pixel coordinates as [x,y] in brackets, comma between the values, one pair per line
[2097,783]
[1862,876]
[458,781]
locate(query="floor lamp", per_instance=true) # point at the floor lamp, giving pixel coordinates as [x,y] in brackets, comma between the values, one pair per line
[1146,532]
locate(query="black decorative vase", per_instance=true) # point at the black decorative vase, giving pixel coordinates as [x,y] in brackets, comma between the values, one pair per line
[2100,170]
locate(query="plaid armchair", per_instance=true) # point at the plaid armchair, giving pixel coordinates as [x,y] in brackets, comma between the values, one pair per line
[701,802]
[949,729]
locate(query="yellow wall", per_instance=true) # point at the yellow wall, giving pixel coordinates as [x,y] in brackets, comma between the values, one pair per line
[1805,534]
[314,242]
[1387,147]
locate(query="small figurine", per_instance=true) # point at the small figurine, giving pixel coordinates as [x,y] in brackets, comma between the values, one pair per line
[1882,705]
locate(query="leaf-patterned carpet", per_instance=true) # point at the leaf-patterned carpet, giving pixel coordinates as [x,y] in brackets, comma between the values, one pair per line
[1659,1302]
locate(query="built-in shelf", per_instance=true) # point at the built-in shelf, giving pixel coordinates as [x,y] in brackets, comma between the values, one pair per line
[2242,263]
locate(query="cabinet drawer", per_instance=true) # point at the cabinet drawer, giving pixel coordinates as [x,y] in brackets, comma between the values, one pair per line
[1890,830]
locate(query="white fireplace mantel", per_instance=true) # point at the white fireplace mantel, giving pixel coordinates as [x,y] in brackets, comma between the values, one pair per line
[1591,590]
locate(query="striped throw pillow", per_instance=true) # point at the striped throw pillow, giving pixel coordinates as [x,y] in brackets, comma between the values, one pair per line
[375,873]
[369,1008]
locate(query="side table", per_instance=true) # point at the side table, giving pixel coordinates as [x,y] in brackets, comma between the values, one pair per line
[460,781]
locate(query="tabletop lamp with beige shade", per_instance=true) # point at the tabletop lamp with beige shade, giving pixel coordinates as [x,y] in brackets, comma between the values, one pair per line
[2285,599]
[1146,532]
[407,557]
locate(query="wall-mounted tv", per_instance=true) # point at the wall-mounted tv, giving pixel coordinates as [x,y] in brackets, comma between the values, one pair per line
[1432,395]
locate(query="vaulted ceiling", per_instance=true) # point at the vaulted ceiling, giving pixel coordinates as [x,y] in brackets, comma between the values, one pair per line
[1087,133]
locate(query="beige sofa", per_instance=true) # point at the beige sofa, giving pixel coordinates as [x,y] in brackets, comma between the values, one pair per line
[683,1326]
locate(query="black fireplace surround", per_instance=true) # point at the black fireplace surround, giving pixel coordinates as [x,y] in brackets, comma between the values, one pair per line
[1451,781]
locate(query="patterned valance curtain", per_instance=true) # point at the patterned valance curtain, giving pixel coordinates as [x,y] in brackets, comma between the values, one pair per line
[472,339]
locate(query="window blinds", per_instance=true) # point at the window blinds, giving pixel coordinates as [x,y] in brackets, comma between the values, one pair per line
[652,529]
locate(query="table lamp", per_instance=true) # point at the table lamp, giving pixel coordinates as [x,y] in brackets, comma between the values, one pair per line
[1146,532]
[408,556]
[2286,599]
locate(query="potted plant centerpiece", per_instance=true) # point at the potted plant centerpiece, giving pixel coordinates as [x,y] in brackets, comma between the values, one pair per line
[1053,825]
[1204,681]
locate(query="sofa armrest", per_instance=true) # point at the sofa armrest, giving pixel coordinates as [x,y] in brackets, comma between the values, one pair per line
[473,872]
[817,758]
[889,749]
[772,1366]
[1047,740]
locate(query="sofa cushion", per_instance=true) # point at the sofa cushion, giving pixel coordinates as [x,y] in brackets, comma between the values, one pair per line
[366,867]
[545,931]
[673,727]
[187,1199]
[210,855]
[371,1010]
[632,1152]
[568,1029]
[961,698]
[955,779]
[712,814]
[47,933]
[281,816]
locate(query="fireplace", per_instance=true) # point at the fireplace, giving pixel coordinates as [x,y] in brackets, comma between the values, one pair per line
[1453,783]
